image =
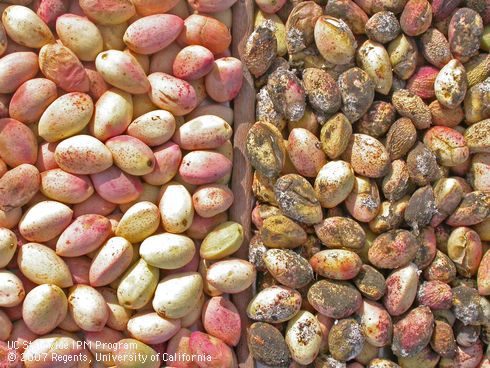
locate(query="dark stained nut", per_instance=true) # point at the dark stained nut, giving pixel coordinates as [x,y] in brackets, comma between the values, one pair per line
[416,17]
[288,267]
[401,289]
[335,299]
[466,335]
[421,83]
[297,200]
[357,91]
[421,207]
[363,202]
[445,315]
[395,183]
[442,340]
[263,188]
[442,235]
[327,361]
[370,282]
[390,216]
[265,111]
[376,324]
[465,357]
[435,47]
[411,106]
[349,12]
[300,25]
[400,138]
[282,232]
[403,56]
[274,304]
[442,9]
[336,264]
[383,27]
[473,209]
[441,268]
[267,345]
[412,333]
[265,149]
[377,120]
[287,94]
[256,252]
[477,69]
[477,102]
[448,194]
[382,363]
[422,165]
[367,155]
[462,281]
[334,40]
[398,84]
[465,31]
[465,250]
[345,340]
[340,232]
[448,145]
[334,183]
[427,358]
[435,295]
[335,135]
[260,49]
[477,136]
[261,211]
[393,249]
[466,304]
[277,63]
[322,90]
[427,248]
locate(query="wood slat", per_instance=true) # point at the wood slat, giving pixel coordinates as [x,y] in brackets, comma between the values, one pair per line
[241,182]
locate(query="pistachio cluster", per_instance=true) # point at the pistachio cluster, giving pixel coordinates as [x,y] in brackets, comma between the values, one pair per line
[371,151]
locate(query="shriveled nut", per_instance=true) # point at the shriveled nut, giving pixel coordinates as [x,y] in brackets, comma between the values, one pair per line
[477,69]
[477,137]
[403,56]
[411,106]
[370,282]
[345,340]
[265,149]
[335,299]
[465,31]
[334,183]
[282,232]
[267,345]
[401,289]
[373,58]
[363,202]
[383,27]
[443,341]
[334,40]
[435,47]
[357,90]
[377,120]
[287,94]
[413,332]
[393,249]
[287,267]
[465,250]
[264,306]
[400,138]
[335,135]
[297,200]
[340,232]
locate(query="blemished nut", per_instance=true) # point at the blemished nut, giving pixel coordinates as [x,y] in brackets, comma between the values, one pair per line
[383,27]
[363,202]
[335,40]
[401,136]
[267,344]
[373,58]
[340,232]
[435,47]
[395,183]
[367,155]
[422,165]
[300,25]
[443,341]
[287,93]
[393,249]
[322,91]
[357,91]
[350,12]
[377,120]
[450,85]
[441,115]
[465,31]
[282,232]
[336,264]
[334,183]
[476,102]
[465,250]
[441,269]
[421,208]
[403,56]
[370,282]
[305,152]
[346,339]
[473,209]
[346,302]
[477,136]
[390,216]
[411,106]
[477,69]
[335,135]
[401,289]
[413,332]
[260,49]
[448,145]
[416,17]
[264,308]
[435,295]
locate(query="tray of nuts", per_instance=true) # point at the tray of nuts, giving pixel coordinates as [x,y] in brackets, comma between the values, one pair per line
[371,178]
[116,149]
